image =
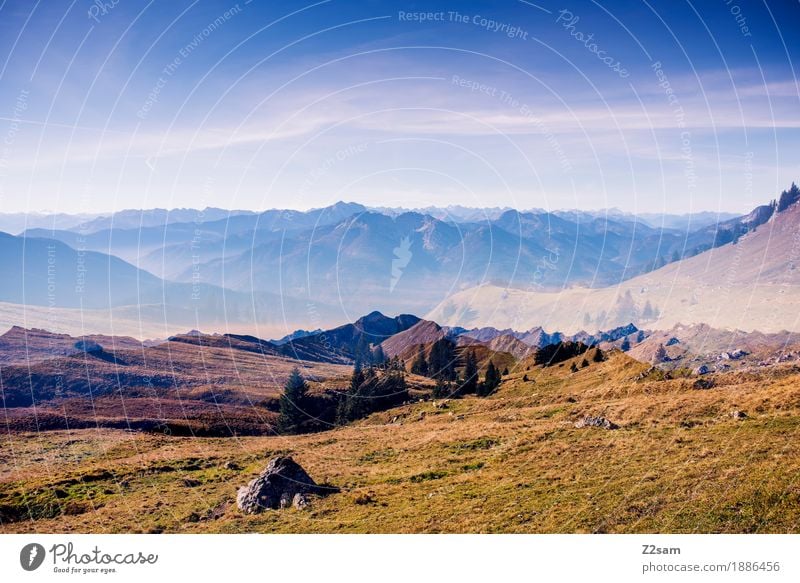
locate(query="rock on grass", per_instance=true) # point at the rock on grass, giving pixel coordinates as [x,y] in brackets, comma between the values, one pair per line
[282,484]
[600,422]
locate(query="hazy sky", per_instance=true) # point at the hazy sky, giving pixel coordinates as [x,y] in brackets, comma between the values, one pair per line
[643,105]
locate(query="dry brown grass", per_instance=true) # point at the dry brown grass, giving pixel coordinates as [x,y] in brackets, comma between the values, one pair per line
[513,462]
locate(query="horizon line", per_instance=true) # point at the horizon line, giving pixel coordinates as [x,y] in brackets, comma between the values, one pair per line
[381,208]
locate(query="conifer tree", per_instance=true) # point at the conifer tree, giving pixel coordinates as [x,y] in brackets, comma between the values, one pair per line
[441,389]
[491,381]
[292,404]
[441,363]
[470,383]
[350,402]
[420,364]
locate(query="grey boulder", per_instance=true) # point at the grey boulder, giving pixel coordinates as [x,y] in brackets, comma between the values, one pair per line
[282,484]
[600,422]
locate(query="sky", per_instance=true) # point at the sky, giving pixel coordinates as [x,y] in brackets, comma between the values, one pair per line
[647,105]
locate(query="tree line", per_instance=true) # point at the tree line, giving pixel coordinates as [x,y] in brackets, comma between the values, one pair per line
[371,389]
[380,386]
[440,365]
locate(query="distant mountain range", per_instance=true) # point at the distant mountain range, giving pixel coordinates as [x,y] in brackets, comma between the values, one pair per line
[359,259]
[570,270]
[86,223]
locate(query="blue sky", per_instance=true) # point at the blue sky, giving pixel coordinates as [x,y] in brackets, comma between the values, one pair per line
[668,105]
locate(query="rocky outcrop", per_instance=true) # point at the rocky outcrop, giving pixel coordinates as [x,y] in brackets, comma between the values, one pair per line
[89,346]
[600,422]
[703,384]
[733,355]
[282,484]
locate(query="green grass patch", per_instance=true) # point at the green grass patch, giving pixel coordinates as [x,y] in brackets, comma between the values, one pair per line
[427,476]
[474,444]
[378,456]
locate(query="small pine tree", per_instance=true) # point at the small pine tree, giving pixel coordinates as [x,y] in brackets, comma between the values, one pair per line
[470,382]
[491,381]
[598,355]
[420,364]
[350,402]
[292,404]
[441,362]
[525,378]
[441,389]
[573,367]
[505,372]
[584,363]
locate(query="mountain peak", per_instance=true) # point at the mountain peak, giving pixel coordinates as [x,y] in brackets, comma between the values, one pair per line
[379,325]
[373,316]
[403,343]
